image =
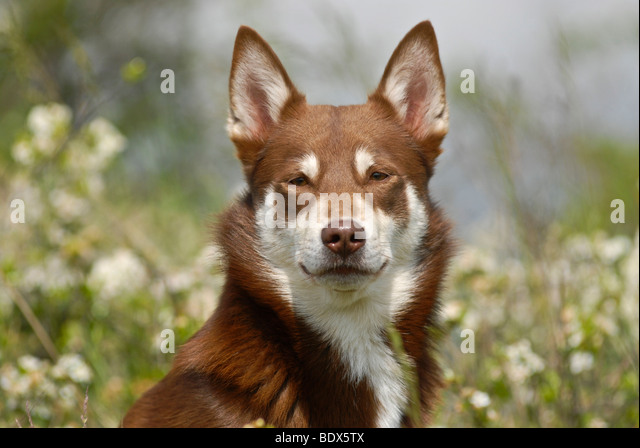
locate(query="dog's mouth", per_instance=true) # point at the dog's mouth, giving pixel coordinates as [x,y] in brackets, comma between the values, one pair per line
[344,276]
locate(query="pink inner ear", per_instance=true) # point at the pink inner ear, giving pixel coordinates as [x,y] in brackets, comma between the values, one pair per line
[259,108]
[417,106]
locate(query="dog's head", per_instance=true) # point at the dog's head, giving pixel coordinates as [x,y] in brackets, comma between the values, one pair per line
[340,193]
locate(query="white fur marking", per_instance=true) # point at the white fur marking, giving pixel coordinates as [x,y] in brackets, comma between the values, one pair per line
[309,166]
[364,161]
[272,249]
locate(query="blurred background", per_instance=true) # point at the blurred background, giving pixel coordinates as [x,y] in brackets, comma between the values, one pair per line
[120,181]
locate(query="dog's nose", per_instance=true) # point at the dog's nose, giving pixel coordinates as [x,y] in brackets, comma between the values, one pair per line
[342,239]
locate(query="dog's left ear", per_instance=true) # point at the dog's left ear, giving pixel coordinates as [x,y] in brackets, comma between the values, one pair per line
[259,92]
[413,85]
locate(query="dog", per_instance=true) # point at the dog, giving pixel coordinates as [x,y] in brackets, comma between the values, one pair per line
[335,239]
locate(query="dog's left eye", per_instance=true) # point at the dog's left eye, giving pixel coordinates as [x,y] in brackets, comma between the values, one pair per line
[298,181]
[378,176]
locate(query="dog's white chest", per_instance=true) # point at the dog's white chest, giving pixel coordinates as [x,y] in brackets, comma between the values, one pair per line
[358,336]
[385,376]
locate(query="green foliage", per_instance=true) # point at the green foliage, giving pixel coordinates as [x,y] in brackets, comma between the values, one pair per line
[119,184]
[134,70]
[556,339]
[97,290]
[610,172]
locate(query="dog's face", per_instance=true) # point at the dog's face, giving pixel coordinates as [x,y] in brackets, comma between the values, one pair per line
[331,161]
[340,193]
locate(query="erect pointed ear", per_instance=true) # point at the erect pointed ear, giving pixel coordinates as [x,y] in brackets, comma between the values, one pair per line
[413,85]
[259,91]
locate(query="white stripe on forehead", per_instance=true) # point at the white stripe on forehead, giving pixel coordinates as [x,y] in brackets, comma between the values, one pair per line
[364,161]
[310,166]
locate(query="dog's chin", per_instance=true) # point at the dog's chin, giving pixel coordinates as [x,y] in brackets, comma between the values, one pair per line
[343,278]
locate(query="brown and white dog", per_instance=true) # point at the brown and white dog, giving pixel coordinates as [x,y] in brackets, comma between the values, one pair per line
[335,238]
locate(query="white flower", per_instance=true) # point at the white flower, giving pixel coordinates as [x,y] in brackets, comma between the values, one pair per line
[629,303]
[597,422]
[448,374]
[31,363]
[575,339]
[44,118]
[473,258]
[47,123]
[606,324]
[21,386]
[579,247]
[41,411]
[45,145]
[93,153]
[480,399]
[612,249]
[630,266]
[179,281]
[453,310]
[22,152]
[580,362]
[119,274]
[52,275]
[523,362]
[9,376]
[472,318]
[108,142]
[73,366]
[67,206]
[68,396]
[47,387]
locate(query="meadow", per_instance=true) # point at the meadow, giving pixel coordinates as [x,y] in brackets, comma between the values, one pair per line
[108,244]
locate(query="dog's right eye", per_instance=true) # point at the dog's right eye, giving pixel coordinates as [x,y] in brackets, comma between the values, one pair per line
[298,181]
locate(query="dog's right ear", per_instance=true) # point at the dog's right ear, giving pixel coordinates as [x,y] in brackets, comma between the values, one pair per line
[259,92]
